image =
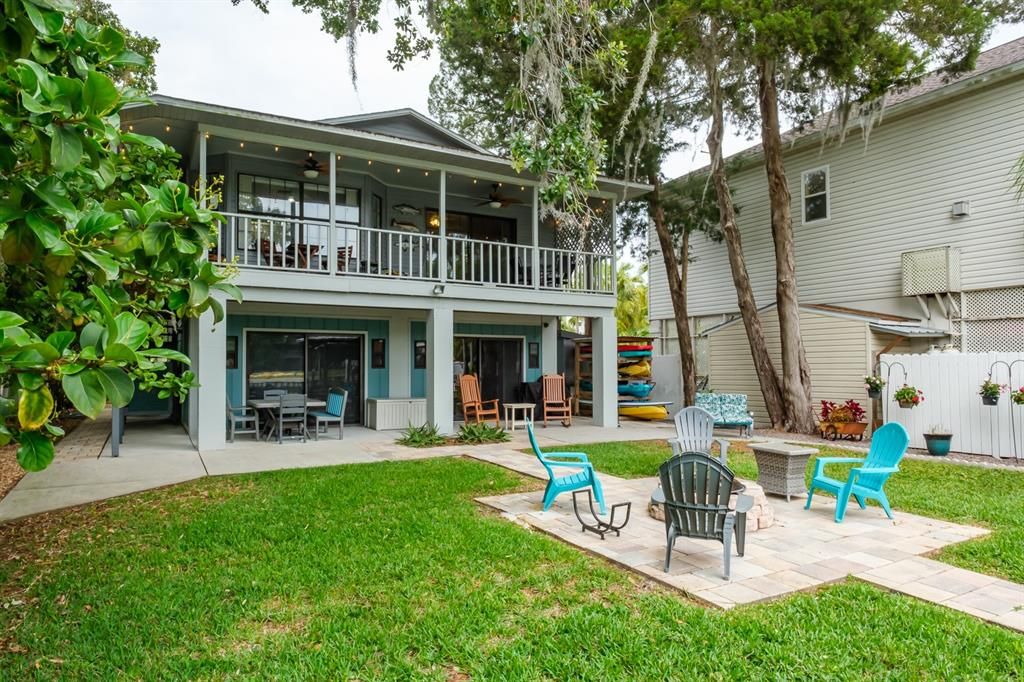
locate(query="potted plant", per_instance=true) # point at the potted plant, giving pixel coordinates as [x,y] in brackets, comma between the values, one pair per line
[938,440]
[842,421]
[874,385]
[908,396]
[990,391]
[1018,396]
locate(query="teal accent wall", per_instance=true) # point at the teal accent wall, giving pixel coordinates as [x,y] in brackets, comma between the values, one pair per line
[531,332]
[376,379]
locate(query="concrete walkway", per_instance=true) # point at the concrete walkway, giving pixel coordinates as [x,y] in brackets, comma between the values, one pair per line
[803,550]
[154,455]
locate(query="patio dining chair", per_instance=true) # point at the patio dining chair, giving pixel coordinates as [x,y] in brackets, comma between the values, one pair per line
[866,481]
[337,398]
[242,419]
[290,415]
[696,488]
[586,477]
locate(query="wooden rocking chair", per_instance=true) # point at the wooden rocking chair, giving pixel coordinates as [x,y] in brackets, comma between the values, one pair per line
[555,402]
[473,407]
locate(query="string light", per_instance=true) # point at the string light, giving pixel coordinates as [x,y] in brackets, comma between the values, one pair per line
[500,185]
[522,189]
[398,170]
[276,148]
[369,162]
[474,181]
[241,145]
[425,173]
[167,129]
[339,157]
[206,135]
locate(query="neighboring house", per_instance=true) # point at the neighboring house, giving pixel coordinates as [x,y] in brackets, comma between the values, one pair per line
[910,239]
[382,254]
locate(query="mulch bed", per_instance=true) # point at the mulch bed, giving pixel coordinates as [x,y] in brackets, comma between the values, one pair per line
[10,471]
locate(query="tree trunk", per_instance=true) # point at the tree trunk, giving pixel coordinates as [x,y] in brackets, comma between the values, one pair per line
[676,277]
[796,375]
[763,366]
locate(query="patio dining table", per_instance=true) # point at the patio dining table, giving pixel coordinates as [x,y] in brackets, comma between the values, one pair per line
[265,405]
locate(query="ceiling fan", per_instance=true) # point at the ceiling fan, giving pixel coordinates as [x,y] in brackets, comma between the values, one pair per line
[311,168]
[496,199]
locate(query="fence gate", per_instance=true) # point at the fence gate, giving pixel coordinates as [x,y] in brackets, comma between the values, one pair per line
[950,382]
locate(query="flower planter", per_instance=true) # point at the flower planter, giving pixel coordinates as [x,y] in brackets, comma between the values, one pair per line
[907,404]
[938,443]
[874,394]
[846,430]
[989,400]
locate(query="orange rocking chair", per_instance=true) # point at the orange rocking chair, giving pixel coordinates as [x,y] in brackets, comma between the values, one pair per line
[472,406]
[556,404]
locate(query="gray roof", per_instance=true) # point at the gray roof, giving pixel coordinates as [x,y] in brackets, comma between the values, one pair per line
[357,121]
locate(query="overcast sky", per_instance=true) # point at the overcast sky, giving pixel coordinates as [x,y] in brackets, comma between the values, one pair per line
[282,63]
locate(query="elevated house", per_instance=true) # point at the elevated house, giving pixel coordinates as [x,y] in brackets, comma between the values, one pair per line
[907,238]
[383,254]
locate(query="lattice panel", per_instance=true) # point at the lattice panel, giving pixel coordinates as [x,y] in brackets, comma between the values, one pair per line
[993,303]
[984,336]
[593,237]
[931,271]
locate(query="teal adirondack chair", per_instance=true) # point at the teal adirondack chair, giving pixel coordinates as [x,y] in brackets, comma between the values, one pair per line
[866,482]
[574,481]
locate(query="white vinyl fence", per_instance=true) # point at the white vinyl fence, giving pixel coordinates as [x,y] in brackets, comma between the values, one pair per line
[950,382]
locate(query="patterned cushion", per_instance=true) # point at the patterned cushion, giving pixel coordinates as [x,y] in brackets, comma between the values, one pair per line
[709,402]
[734,408]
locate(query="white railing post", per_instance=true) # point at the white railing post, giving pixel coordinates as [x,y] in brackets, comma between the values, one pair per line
[535,229]
[442,231]
[332,212]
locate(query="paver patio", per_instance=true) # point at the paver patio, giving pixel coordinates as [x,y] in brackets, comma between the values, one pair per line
[804,549]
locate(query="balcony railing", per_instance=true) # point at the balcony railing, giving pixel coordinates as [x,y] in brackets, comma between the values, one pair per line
[293,245]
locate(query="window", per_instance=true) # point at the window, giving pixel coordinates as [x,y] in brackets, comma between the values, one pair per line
[815,191]
[273,196]
[475,226]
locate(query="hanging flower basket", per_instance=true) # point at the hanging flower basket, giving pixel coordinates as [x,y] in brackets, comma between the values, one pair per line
[1018,396]
[874,385]
[908,396]
[990,391]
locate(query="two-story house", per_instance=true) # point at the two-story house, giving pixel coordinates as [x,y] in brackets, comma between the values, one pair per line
[385,255]
[910,237]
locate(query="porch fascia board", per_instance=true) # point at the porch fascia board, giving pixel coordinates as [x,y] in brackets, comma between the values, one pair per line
[370,292]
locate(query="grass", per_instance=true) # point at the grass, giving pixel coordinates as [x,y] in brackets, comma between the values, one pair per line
[991,498]
[391,571]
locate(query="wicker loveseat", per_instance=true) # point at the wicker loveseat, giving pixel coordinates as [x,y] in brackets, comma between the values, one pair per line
[728,409]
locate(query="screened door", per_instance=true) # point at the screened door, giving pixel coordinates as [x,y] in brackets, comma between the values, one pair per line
[336,362]
[497,363]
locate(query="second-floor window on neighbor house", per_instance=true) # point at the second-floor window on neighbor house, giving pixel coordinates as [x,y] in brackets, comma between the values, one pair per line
[815,190]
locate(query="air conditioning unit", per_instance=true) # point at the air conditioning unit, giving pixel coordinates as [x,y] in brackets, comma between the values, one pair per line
[931,271]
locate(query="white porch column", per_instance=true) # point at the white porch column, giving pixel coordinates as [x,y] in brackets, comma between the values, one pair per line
[208,350]
[606,394]
[442,229]
[440,356]
[399,356]
[549,345]
[535,231]
[332,217]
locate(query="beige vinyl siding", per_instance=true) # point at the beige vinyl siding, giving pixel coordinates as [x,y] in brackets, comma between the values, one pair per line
[837,351]
[889,196]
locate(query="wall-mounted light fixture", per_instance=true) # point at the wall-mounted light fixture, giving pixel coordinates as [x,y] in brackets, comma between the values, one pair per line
[961,209]
[438,289]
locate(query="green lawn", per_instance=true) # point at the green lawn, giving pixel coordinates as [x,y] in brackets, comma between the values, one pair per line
[992,498]
[390,571]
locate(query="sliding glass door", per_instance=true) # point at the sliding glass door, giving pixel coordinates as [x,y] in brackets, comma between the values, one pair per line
[299,362]
[496,362]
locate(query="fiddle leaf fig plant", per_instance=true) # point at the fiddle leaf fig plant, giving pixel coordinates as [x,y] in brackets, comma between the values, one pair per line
[102,246]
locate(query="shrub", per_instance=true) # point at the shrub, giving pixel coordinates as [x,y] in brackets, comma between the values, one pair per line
[477,434]
[425,436]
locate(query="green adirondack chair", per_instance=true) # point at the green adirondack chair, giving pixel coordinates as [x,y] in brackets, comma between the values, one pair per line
[865,482]
[557,485]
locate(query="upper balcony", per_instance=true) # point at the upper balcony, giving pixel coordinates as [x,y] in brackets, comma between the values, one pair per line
[344,204]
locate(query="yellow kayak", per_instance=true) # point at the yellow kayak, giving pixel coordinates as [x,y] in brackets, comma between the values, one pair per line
[640,369]
[650,412]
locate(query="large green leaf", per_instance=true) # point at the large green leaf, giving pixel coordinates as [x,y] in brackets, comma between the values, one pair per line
[45,229]
[55,195]
[96,221]
[85,391]
[65,149]
[19,245]
[198,292]
[166,354]
[100,94]
[9,319]
[118,352]
[92,335]
[61,340]
[45,21]
[119,386]
[36,451]
[103,261]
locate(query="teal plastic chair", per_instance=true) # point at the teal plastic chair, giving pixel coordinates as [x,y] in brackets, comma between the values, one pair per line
[866,482]
[557,485]
[334,413]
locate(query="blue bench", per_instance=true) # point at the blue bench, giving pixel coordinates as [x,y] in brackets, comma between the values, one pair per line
[729,410]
